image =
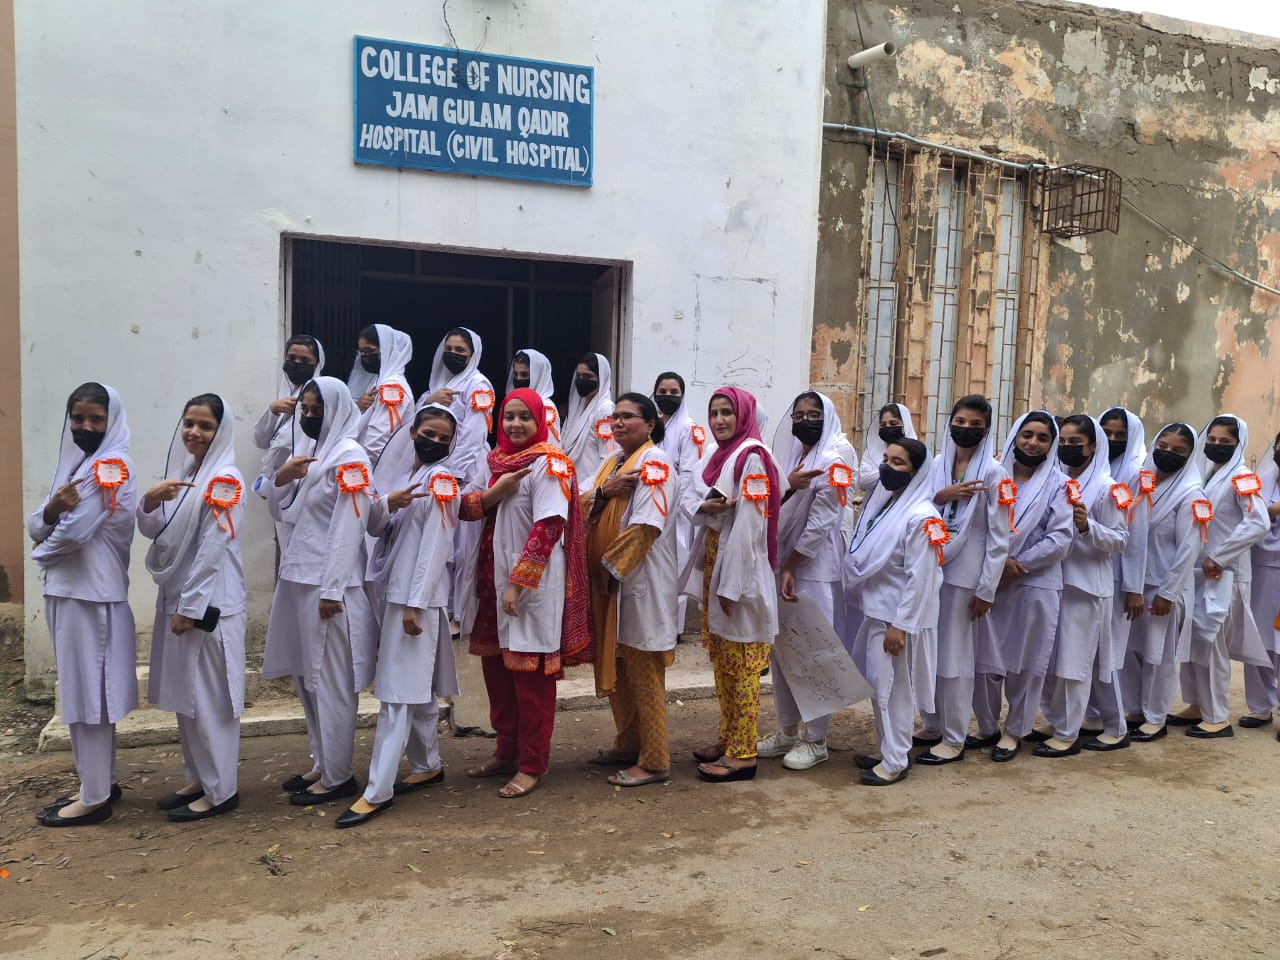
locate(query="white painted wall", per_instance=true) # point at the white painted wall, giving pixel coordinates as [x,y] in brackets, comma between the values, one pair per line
[164,147]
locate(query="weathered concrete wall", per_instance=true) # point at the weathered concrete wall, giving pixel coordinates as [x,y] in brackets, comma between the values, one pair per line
[11,534]
[1187,116]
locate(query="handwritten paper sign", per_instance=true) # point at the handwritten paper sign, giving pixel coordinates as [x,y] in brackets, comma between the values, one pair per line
[820,672]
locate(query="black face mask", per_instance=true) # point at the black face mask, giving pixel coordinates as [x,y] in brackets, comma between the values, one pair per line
[455,362]
[372,362]
[430,451]
[1167,461]
[892,479]
[311,426]
[668,403]
[1072,456]
[1219,452]
[891,434]
[1029,461]
[519,383]
[87,440]
[807,432]
[585,387]
[1117,448]
[299,371]
[967,436]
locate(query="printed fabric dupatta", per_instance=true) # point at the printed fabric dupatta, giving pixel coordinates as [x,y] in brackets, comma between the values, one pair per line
[576,646]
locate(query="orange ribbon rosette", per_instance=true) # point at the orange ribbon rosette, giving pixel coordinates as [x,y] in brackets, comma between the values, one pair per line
[561,467]
[1247,485]
[756,488]
[840,476]
[223,493]
[1075,492]
[1146,485]
[1202,513]
[482,401]
[353,478]
[699,438]
[392,396]
[110,474]
[604,430]
[654,475]
[444,487]
[1124,499]
[938,535]
[553,419]
[1007,493]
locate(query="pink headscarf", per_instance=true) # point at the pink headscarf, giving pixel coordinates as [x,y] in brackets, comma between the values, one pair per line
[748,428]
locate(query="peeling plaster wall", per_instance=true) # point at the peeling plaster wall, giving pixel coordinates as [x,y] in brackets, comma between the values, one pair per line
[1186,115]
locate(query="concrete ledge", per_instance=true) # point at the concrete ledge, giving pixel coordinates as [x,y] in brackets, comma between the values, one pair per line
[689,678]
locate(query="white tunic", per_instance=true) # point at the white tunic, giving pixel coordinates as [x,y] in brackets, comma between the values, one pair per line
[742,572]
[1265,589]
[649,596]
[809,522]
[1084,628]
[684,453]
[1173,544]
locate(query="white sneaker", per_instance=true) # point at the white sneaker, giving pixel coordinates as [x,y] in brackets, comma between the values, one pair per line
[775,745]
[805,755]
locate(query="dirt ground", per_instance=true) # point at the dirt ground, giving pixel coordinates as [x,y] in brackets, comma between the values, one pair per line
[1165,850]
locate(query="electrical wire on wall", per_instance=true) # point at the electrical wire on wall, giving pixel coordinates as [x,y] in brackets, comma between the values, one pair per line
[871,108]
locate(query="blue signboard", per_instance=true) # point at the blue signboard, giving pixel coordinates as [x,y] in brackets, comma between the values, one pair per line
[438,108]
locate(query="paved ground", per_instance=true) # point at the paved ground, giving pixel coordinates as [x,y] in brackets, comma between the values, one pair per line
[1163,850]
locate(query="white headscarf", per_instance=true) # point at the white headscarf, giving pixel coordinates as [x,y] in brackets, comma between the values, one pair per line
[788,452]
[395,350]
[1229,469]
[1126,467]
[585,412]
[336,444]
[287,389]
[1269,474]
[941,474]
[540,379]
[873,452]
[1170,494]
[677,424]
[461,382]
[881,524]
[182,515]
[1035,495]
[74,463]
[1096,477]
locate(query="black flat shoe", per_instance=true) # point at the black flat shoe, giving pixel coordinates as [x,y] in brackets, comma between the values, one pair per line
[401,787]
[1200,733]
[186,815]
[1133,724]
[1173,720]
[1096,744]
[175,800]
[1253,723]
[925,741]
[305,798]
[871,780]
[933,760]
[1092,731]
[1044,750]
[113,797]
[735,773]
[296,783]
[1138,736]
[1001,755]
[353,819]
[865,762]
[1037,736]
[977,743]
[52,818]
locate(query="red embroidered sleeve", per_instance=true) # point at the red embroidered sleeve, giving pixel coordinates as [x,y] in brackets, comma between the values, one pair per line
[542,540]
[471,508]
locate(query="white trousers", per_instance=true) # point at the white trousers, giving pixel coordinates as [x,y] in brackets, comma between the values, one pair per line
[93,746]
[1064,703]
[330,710]
[403,728]
[1022,690]
[1107,705]
[784,704]
[1148,688]
[1260,688]
[893,703]
[211,737]
[1206,679]
[953,698]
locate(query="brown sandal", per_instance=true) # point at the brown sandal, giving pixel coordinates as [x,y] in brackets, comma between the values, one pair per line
[492,767]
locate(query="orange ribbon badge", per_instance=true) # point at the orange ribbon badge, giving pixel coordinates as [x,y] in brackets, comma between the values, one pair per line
[1247,485]
[444,487]
[654,475]
[482,401]
[1008,497]
[392,396]
[552,418]
[353,478]
[604,430]
[1202,513]
[223,493]
[561,467]
[840,476]
[699,437]
[1124,499]
[756,488]
[1075,492]
[1146,486]
[937,534]
[110,474]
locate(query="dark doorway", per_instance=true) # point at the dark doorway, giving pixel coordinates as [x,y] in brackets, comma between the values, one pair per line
[563,308]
